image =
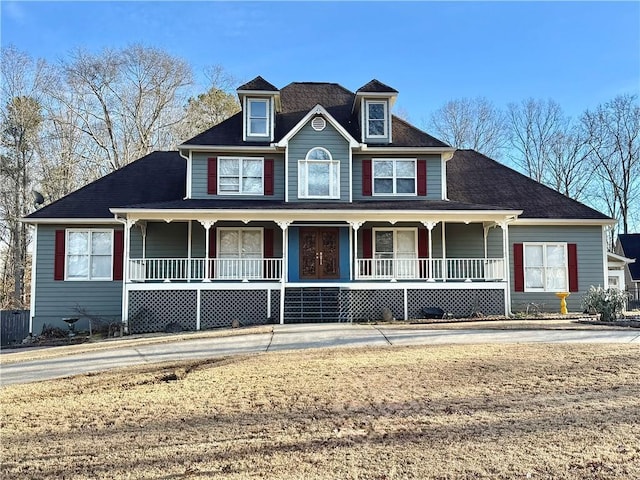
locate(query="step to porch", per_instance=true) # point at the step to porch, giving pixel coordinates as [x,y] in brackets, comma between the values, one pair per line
[312,305]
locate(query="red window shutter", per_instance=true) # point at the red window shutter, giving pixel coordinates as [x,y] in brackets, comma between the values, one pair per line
[366,178]
[367,243]
[212,176]
[268,243]
[118,254]
[58,263]
[212,251]
[518,267]
[422,177]
[572,253]
[423,251]
[268,176]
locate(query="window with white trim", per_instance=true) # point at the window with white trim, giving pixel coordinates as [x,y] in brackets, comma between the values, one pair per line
[376,118]
[394,176]
[258,117]
[318,175]
[239,253]
[545,267]
[89,254]
[240,175]
[395,251]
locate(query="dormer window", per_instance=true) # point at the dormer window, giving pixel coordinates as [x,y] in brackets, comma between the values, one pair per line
[258,117]
[376,119]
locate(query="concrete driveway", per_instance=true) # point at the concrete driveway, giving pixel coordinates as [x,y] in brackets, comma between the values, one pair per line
[286,337]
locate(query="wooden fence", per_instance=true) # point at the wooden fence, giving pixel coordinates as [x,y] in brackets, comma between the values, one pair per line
[14,326]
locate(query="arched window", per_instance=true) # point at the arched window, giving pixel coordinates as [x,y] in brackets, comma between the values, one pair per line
[318,175]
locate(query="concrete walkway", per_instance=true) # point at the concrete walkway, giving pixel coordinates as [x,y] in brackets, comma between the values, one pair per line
[287,337]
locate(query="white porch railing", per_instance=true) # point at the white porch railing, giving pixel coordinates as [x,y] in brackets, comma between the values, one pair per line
[184,269]
[473,269]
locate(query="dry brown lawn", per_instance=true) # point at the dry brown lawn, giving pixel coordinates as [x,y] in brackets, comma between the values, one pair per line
[497,411]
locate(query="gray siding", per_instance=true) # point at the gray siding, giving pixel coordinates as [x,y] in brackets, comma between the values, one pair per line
[306,139]
[588,240]
[55,300]
[171,240]
[434,177]
[199,175]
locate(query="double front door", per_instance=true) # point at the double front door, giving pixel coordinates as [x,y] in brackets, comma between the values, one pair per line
[319,253]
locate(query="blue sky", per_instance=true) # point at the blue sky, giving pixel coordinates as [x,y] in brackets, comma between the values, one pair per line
[577,53]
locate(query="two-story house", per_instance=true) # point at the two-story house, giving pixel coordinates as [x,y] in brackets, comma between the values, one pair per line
[312,204]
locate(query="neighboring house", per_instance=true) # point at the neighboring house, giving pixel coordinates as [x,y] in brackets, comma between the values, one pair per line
[628,245]
[312,204]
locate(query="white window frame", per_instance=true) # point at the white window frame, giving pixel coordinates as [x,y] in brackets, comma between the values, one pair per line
[219,258]
[385,120]
[334,176]
[412,272]
[545,267]
[267,128]
[239,192]
[394,177]
[88,278]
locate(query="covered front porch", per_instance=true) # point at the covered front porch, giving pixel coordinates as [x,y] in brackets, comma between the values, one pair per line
[202,254]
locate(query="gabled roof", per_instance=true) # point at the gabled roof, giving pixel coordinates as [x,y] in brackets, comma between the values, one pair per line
[473,177]
[258,84]
[630,243]
[375,86]
[157,177]
[297,99]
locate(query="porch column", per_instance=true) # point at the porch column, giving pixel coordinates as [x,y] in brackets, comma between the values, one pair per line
[429,226]
[207,224]
[284,273]
[189,240]
[444,254]
[353,264]
[505,271]
[128,224]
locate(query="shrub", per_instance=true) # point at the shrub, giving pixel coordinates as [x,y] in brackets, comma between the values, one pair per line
[608,302]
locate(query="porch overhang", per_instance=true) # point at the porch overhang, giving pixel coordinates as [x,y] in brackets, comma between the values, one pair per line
[490,217]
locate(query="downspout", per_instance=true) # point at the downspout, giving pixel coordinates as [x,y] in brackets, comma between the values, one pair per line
[189,167]
[34,259]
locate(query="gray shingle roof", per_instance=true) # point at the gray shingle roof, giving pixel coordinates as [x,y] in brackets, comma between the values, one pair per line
[157,177]
[375,86]
[297,99]
[473,177]
[630,243]
[258,84]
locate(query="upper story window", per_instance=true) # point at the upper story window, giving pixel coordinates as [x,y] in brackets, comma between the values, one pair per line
[318,175]
[258,117]
[394,177]
[545,267]
[240,175]
[376,119]
[89,254]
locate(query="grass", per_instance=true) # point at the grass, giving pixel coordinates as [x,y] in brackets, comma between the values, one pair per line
[494,411]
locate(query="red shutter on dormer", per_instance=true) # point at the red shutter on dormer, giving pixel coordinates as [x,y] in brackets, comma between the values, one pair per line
[212,175]
[58,263]
[268,176]
[518,267]
[572,253]
[366,178]
[422,177]
[367,243]
[118,254]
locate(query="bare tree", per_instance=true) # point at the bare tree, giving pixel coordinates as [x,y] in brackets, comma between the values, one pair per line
[568,170]
[20,123]
[534,124]
[127,101]
[612,131]
[471,123]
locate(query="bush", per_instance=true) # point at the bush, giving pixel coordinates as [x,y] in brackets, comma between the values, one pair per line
[608,302]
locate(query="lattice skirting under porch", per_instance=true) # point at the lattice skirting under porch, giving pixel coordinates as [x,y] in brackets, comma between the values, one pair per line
[366,305]
[153,310]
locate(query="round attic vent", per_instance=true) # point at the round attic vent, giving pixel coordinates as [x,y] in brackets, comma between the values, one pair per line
[318,124]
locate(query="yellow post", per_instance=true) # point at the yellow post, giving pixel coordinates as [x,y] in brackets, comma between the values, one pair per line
[563,301]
